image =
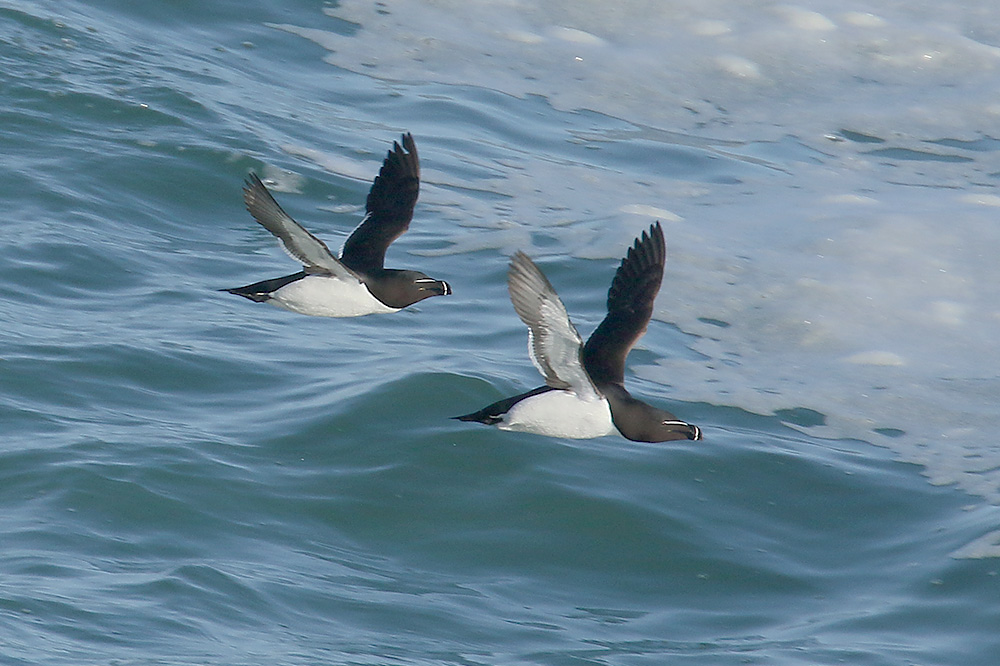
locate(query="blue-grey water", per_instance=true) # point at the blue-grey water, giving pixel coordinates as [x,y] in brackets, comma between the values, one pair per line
[190,478]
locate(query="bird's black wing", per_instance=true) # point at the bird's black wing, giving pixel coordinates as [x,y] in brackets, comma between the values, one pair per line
[630,305]
[388,210]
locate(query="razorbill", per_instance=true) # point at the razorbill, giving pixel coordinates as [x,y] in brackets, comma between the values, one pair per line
[357,283]
[584,394]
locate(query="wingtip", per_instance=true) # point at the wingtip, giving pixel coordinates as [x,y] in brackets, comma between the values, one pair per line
[656,233]
[408,142]
[252,184]
[405,147]
[649,250]
[525,280]
[252,180]
[519,262]
[401,162]
[653,235]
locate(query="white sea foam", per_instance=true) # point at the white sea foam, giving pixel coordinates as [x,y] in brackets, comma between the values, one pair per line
[660,63]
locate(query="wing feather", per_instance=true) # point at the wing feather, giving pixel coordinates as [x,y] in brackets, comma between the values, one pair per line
[388,210]
[553,342]
[630,306]
[297,241]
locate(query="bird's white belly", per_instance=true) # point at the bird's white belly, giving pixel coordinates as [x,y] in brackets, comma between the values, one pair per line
[560,414]
[322,296]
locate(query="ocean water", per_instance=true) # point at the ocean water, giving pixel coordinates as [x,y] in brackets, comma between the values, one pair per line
[190,478]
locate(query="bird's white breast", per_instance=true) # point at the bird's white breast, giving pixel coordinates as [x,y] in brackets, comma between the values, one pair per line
[560,414]
[322,296]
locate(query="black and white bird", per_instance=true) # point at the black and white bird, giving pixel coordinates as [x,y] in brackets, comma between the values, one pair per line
[356,283]
[584,394]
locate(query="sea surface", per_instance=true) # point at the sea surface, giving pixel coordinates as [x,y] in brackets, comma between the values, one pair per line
[189,478]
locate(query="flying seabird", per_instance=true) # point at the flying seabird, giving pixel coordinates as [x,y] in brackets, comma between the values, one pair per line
[584,394]
[356,283]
